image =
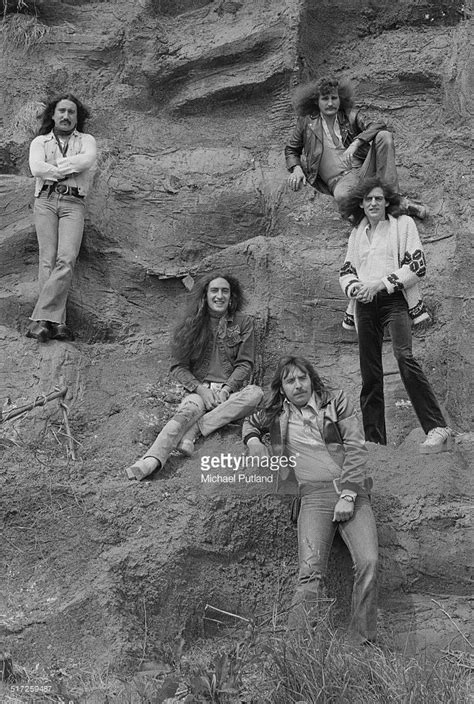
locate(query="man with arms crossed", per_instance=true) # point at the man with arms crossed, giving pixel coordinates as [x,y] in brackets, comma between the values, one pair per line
[62,159]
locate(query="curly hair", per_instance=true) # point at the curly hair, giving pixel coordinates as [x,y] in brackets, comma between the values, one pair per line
[193,332]
[305,98]
[275,396]
[350,208]
[47,123]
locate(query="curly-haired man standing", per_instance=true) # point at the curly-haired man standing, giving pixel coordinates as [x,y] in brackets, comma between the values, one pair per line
[384,264]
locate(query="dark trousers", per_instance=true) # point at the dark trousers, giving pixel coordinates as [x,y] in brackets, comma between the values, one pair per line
[391,310]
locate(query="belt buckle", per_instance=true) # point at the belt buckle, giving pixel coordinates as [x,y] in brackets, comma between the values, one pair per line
[63,190]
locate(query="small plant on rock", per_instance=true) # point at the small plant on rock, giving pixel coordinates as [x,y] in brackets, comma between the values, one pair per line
[22,29]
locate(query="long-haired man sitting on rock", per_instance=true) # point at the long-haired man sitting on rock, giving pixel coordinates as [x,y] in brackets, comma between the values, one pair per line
[213,352]
[331,147]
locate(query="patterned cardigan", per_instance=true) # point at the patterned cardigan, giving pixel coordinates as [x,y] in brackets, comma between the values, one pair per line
[409,266]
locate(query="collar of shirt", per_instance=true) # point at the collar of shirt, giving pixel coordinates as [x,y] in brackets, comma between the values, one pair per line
[337,129]
[311,405]
[51,135]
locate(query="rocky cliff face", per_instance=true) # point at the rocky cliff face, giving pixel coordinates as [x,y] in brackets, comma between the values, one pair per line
[190,103]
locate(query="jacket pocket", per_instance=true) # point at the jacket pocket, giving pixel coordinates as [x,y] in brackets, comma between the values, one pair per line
[233,336]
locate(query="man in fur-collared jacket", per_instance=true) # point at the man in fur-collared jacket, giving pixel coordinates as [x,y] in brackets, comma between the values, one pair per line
[383,265]
[317,437]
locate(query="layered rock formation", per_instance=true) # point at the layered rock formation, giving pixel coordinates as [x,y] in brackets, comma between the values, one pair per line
[191,110]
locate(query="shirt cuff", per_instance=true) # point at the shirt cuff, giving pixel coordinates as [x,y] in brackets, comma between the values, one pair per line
[249,436]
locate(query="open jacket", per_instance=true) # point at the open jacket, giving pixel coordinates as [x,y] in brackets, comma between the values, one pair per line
[409,266]
[340,430]
[47,162]
[236,343]
[306,144]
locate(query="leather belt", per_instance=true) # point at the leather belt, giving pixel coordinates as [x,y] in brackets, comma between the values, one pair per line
[62,189]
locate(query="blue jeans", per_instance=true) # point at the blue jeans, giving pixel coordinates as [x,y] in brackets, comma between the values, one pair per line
[59,222]
[316,531]
[191,409]
[392,310]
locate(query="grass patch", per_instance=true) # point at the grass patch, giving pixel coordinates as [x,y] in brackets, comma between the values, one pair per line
[258,666]
[22,31]
[20,27]
[340,673]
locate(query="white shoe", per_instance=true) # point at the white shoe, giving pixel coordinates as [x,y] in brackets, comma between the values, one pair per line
[437,440]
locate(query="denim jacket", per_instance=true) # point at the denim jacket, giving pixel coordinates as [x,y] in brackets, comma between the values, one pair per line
[76,168]
[236,343]
[307,141]
[340,430]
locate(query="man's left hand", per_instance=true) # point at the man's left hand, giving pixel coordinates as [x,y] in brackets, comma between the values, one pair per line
[343,510]
[224,394]
[366,292]
[348,155]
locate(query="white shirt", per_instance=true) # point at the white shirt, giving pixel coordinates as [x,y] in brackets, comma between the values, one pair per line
[376,260]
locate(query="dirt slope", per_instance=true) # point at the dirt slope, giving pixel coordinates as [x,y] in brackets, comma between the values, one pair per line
[190,105]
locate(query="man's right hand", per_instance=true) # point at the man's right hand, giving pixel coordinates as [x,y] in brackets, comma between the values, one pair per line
[210,398]
[296,178]
[256,448]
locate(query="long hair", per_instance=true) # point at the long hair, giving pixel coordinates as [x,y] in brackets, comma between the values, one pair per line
[305,98]
[350,206]
[47,123]
[275,397]
[193,333]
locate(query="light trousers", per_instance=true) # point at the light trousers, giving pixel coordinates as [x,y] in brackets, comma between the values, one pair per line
[59,222]
[191,410]
[316,531]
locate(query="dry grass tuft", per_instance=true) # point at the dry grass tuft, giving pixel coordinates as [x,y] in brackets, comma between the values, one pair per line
[22,31]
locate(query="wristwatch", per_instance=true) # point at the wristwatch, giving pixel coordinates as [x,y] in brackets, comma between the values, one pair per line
[349,497]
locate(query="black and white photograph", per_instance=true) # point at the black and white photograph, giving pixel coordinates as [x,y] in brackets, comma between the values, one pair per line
[236,438]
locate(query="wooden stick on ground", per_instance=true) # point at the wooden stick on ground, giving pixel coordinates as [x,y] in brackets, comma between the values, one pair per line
[39,401]
[70,439]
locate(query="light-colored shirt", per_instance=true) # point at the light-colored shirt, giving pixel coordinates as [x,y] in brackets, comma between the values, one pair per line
[375,256]
[305,443]
[75,169]
[331,164]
